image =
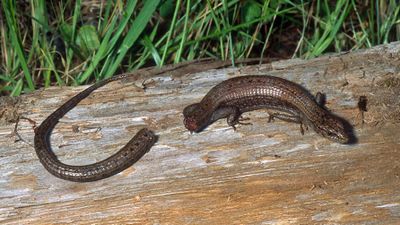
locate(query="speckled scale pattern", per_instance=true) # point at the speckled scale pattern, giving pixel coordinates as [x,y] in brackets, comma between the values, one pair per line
[139,145]
[246,93]
[264,92]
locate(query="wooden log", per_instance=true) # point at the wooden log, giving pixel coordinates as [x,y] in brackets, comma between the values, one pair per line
[267,173]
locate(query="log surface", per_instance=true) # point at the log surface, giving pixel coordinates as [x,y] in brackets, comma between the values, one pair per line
[266,173]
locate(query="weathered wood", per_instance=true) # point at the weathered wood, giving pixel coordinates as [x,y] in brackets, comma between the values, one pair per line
[267,173]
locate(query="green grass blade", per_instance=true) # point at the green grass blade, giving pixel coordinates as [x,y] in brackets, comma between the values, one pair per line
[100,54]
[130,8]
[17,88]
[138,24]
[170,31]
[332,26]
[184,33]
[108,43]
[16,42]
[152,49]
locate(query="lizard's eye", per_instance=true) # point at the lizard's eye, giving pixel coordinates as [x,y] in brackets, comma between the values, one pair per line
[329,133]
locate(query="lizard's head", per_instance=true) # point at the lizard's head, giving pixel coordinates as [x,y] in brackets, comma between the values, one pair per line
[194,117]
[334,129]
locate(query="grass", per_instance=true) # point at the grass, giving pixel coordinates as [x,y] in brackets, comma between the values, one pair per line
[77,42]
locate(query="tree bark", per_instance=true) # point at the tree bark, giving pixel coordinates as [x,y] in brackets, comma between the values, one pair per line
[266,173]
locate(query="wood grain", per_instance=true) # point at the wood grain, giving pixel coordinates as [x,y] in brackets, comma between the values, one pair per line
[266,173]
